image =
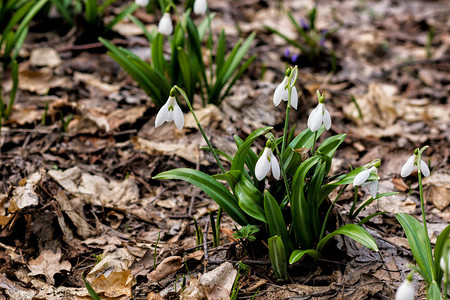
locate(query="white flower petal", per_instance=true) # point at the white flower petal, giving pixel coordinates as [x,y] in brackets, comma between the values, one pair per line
[200,7]
[408,167]
[424,169]
[178,117]
[361,177]
[142,2]
[294,98]
[165,25]
[405,291]
[278,94]
[315,118]
[373,188]
[262,165]
[326,118]
[275,166]
[162,115]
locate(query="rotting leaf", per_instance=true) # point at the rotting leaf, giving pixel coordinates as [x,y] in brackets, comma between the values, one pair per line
[166,268]
[48,264]
[115,284]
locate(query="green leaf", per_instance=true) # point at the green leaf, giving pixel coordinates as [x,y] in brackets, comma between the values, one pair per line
[290,41]
[438,249]
[242,152]
[278,259]
[434,292]
[211,187]
[328,148]
[313,200]
[250,199]
[91,11]
[363,221]
[298,254]
[419,242]
[301,214]
[204,24]
[353,231]
[158,61]
[148,35]
[183,60]
[123,14]
[277,225]
[371,200]
[91,291]
[220,52]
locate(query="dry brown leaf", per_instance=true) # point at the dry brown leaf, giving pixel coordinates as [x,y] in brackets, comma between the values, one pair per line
[41,81]
[45,57]
[167,267]
[24,195]
[93,81]
[83,228]
[48,264]
[400,184]
[154,296]
[438,189]
[187,151]
[115,284]
[25,114]
[125,116]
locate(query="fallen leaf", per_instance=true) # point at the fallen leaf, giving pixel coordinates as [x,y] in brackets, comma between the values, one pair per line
[25,195]
[166,268]
[399,184]
[45,57]
[41,81]
[48,264]
[438,189]
[115,284]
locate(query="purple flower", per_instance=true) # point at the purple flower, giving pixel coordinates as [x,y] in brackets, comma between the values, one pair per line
[287,53]
[322,41]
[303,24]
[294,58]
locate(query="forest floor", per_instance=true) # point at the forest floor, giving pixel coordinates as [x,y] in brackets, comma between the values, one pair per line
[78,187]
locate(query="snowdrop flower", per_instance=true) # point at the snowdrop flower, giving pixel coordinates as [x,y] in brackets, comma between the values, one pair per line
[266,162]
[361,179]
[413,161]
[200,7]
[142,3]
[282,92]
[170,112]
[165,24]
[319,115]
[405,291]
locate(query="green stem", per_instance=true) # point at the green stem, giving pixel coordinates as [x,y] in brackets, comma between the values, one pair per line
[314,143]
[286,120]
[324,224]
[355,199]
[422,206]
[283,172]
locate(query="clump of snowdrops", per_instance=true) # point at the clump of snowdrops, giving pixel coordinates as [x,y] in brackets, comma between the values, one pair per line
[292,210]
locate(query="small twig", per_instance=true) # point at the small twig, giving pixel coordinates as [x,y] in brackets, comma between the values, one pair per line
[205,244]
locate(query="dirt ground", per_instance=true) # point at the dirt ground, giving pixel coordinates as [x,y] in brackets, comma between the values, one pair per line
[77,188]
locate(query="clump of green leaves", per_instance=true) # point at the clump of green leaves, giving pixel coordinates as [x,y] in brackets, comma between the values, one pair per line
[246,232]
[293,211]
[310,43]
[186,65]
[15,17]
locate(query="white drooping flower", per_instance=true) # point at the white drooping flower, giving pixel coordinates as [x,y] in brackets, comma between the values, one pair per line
[282,93]
[170,112]
[319,116]
[165,24]
[361,178]
[405,291]
[265,163]
[142,3]
[412,161]
[200,7]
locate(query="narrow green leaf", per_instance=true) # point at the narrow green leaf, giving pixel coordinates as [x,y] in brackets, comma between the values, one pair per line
[298,254]
[363,221]
[353,231]
[250,199]
[220,52]
[185,71]
[438,249]
[371,200]
[203,26]
[211,187]
[122,15]
[277,225]
[278,258]
[301,214]
[158,60]
[434,292]
[91,291]
[91,11]
[242,152]
[419,243]
[290,41]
